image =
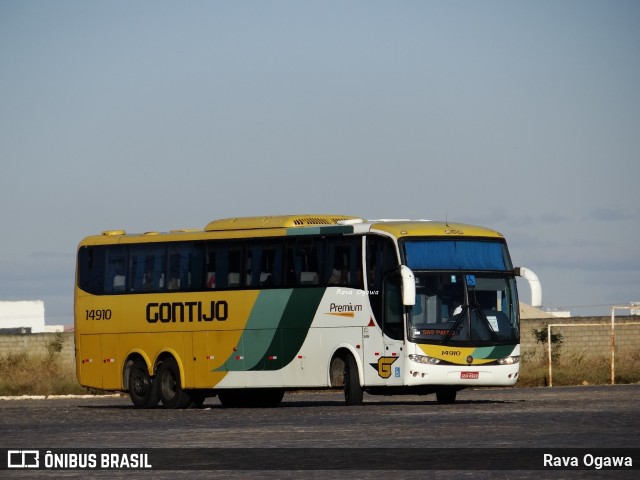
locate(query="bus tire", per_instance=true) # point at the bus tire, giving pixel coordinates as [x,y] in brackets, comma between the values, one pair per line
[197,398]
[230,398]
[142,388]
[353,392]
[169,389]
[446,396]
[269,397]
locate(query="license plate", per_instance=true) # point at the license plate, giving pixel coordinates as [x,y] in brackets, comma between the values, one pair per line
[469,375]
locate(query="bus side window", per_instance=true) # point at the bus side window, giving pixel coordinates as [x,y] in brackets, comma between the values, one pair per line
[185,267]
[211,266]
[381,259]
[116,270]
[229,272]
[147,267]
[196,267]
[265,264]
[343,260]
[234,262]
[304,261]
[174,276]
[91,269]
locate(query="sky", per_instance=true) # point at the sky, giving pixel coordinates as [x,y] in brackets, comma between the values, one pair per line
[522,116]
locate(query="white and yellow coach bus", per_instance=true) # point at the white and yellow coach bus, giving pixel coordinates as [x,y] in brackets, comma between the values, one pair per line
[251,307]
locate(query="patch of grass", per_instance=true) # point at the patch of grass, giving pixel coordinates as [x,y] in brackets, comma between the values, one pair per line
[578,369]
[22,374]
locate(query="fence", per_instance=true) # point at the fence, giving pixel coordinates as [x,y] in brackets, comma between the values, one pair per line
[39,344]
[591,339]
[612,330]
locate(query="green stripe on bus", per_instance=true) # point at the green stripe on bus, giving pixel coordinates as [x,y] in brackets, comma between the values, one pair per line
[262,327]
[259,331]
[500,351]
[293,329]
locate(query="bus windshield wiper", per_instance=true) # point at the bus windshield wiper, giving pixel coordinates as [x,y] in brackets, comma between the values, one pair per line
[459,318]
[481,315]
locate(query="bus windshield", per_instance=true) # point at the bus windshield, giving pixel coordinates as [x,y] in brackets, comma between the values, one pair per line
[459,309]
[450,254]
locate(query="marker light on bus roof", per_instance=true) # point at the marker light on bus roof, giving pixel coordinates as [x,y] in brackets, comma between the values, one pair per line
[350,221]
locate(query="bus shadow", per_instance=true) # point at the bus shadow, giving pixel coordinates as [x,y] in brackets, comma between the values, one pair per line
[390,403]
[314,404]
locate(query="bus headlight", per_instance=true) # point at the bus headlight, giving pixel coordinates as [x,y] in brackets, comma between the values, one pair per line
[424,359]
[509,360]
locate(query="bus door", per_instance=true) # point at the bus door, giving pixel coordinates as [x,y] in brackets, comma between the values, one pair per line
[384,355]
[90,359]
[384,342]
[393,329]
[111,374]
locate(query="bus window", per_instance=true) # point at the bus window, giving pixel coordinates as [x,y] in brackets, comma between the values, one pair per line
[185,267]
[211,266]
[344,261]
[303,261]
[229,272]
[91,269]
[147,267]
[381,259]
[116,270]
[264,259]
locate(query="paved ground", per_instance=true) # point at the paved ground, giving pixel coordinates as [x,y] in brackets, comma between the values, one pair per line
[587,418]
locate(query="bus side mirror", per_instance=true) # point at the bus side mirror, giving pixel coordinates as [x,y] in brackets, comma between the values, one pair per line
[408,286]
[534,283]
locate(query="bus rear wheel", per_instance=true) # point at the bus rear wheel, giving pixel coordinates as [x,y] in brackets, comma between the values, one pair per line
[142,389]
[169,389]
[197,398]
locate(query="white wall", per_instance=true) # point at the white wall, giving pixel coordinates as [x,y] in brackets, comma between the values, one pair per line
[28,314]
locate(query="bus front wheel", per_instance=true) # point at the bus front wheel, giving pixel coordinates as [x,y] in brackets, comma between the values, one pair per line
[446,396]
[169,389]
[142,389]
[353,393]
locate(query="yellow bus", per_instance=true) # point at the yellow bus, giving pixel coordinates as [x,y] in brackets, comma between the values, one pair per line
[248,308]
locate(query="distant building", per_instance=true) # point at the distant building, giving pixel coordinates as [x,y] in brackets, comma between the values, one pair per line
[25,317]
[527,311]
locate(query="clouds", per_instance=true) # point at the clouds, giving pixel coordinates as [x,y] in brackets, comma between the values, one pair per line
[626,213]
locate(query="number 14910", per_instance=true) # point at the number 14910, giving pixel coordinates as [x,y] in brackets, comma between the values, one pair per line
[103,314]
